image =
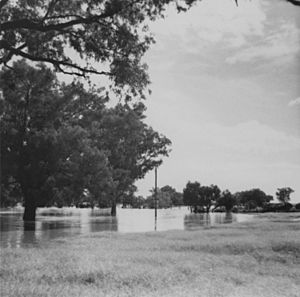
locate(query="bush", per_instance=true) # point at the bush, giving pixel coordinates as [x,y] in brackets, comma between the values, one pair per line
[277,207]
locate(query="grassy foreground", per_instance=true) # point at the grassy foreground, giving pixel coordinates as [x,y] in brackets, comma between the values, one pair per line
[258,258]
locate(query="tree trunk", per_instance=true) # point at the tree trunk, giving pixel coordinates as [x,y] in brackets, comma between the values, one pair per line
[29,212]
[113,211]
[30,207]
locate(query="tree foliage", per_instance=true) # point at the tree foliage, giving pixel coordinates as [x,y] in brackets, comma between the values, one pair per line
[44,151]
[133,201]
[60,141]
[208,195]
[191,194]
[200,198]
[163,199]
[283,194]
[80,37]
[253,198]
[133,148]
[226,200]
[176,197]
[167,197]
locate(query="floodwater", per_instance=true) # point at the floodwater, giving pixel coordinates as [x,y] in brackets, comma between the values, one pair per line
[54,223]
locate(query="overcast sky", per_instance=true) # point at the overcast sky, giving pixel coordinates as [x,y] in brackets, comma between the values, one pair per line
[226,91]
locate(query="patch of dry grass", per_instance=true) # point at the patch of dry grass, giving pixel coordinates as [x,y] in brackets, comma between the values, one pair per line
[257,258]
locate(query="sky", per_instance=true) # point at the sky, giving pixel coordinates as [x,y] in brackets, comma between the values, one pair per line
[225,90]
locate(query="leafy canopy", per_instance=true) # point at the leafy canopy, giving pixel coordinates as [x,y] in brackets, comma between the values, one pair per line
[253,198]
[283,194]
[226,200]
[60,141]
[81,37]
[45,153]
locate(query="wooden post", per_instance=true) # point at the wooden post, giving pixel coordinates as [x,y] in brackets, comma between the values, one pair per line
[155,197]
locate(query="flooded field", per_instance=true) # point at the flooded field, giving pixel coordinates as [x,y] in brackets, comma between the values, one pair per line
[65,222]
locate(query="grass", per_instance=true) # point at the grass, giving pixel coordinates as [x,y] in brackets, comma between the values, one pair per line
[257,258]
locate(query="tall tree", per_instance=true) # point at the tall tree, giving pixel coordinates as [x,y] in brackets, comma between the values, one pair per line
[191,194]
[43,155]
[208,195]
[253,198]
[200,198]
[61,141]
[133,147]
[176,197]
[163,199]
[226,200]
[283,194]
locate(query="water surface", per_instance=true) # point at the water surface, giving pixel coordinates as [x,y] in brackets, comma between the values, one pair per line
[65,222]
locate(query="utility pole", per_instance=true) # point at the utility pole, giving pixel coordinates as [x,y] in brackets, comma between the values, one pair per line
[155,197]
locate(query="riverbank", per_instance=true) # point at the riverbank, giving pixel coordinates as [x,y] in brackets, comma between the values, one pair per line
[256,258]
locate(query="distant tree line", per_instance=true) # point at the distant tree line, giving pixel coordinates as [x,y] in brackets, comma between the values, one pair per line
[203,198]
[166,197]
[210,198]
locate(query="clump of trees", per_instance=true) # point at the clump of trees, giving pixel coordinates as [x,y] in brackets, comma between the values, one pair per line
[226,200]
[61,142]
[210,198]
[283,194]
[200,198]
[176,197]
[167,197]
[252,199]
[133,201]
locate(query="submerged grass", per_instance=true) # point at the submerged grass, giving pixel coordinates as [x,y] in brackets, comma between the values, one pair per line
[257,258]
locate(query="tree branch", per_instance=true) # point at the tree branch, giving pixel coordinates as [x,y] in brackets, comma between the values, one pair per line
[295,2]
[39,26]
[57,63]
[9,55]
[3,3]
[50,8]
[65,16]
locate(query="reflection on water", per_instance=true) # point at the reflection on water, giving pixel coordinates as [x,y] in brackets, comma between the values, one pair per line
[194,221]
[54,223]
[28,236]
